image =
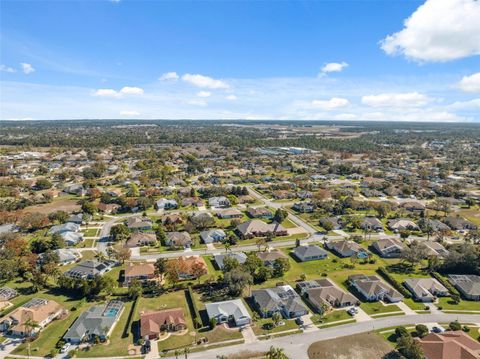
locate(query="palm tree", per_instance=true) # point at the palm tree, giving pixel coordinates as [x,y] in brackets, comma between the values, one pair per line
[30,324]
[275,353]
[177,353]
[186,350]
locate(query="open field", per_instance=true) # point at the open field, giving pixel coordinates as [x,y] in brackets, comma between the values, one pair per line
[58,204]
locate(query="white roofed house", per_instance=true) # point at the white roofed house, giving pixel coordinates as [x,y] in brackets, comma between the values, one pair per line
[213,235]
[165,203]
[309,252]
[65,227]
[425,289]
[389,247]
[434,249]
[233,312]
[219,202]
[72,238]
[178,239]
[401,224]
[373,289]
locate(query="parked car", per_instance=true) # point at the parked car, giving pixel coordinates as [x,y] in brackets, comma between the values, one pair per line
[437,330]
[299,321]
[65,348]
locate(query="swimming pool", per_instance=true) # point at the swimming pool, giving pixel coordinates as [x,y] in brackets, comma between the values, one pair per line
[112,312]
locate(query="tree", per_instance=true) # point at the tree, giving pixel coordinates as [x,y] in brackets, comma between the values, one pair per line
[455,325]
[186,351]
[280,215]
[421,330]
[261,241]
[280,266]
[123,254]
[160,267]
[229,263]
[134,289]
[236,280]
[276,318]
[43,183]
[33,221]
[275,353]
[160,233]
[120,232]
[198,270]
[413,254]
[58,216]
[409,347]
[89,208]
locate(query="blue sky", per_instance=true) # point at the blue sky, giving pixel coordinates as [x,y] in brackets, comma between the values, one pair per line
[365,60]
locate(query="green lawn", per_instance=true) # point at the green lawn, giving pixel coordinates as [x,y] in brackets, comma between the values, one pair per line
[117,345]
[414,305]
[446,303]
[287,223]
[378,308]
[333,316]
[90,232]
[260,330]
[87,243]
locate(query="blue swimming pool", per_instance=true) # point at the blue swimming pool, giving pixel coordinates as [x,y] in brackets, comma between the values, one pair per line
[111,312]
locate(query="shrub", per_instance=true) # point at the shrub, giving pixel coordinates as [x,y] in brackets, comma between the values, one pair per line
[455,325]
[383,272]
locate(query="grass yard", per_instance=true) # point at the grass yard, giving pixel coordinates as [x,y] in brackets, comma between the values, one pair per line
[359,346]
[259,328]
[90,232]
[117,344]
[287,223]
[333,316]
[447,303]
[87,243]
[378,308]
[414,305]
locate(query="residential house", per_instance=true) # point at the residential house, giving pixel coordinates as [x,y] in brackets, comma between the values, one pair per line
[212,235]
[258,228]
[413,206]
[76,218]
[232,312]
[65,227]
[371,224]
[220,257]
[281,299]
[230,213]
[139,224]
[89,269]
[97,321]
[189,267]
[260,212]
[467,285]
[172,218]
[39,310]
[323,292]
[425,289]
[270,256]
[192,201]
[389,247]
[402,224]
[142,272]
[219,202]
[178,239]
[67,255]
[304,207]
[72,238]
[335,222]
[434,249]
[165,203]
[310,252]
[139,239]
[449,345]
[108,208]
[459,223]
[346,248]
[7,293]
[373,289]
[152,324]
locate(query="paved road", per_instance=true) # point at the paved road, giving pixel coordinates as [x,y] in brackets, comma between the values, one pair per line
[104,235]
[296,345]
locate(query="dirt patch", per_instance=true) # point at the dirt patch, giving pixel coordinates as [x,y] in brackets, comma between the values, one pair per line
[359,346]
[67,205]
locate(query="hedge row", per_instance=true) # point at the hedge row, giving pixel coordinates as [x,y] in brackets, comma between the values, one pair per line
[197,322]
[126,329]
[393,282]
[445,283]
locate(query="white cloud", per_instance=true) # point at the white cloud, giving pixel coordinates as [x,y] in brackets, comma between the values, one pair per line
[5,68]
[131,90]
[27,68]
[204,81]
[128,113]
[333,103]
[204,94]
[438,31]
[406,99]
[197,102]
[470,83]
[173,76]
[113,93]
[333,67]
[466,105]
[430,116]
[231,97]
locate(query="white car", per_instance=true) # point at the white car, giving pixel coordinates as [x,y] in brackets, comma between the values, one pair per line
[65,348]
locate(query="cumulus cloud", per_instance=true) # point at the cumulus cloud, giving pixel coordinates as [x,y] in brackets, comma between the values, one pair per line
[114,93]
[172,76]
[204,94]
[333,67]
[128,113]
[406,99]
[231,97]
[438,31]
[5,68]
[466,105]
[333,103]
[27,68]
[470,83]
[204,81]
